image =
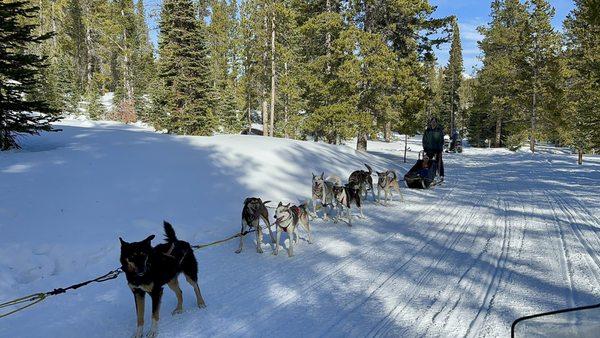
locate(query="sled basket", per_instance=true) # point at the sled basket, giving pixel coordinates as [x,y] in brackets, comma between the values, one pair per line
[415,179]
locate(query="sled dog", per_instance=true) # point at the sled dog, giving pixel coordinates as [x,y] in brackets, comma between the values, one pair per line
[364,181]
[149,268]
[253,211]
[287,219]
[345,196]
[322,191]
[388,181]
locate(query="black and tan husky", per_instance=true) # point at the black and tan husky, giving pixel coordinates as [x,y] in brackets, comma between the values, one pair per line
[364,181]
[253,211]
[345,197]
[149,268]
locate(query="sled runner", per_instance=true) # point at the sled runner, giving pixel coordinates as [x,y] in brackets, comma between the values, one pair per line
[420,177]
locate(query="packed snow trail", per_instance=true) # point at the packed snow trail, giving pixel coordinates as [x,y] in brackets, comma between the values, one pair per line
[507,235]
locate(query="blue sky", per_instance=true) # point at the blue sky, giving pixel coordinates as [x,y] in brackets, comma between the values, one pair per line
[470,13]
[474,13]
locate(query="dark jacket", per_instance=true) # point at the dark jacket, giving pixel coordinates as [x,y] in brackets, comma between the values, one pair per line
[433,139]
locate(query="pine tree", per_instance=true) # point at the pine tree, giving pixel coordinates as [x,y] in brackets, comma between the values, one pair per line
[20,72]
[222,47]
[184,71]
[453,78]
[582,34]
[144,73]
[496,108]
[539,68]
[95,109]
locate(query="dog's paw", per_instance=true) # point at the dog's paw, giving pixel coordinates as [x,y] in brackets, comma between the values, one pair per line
[177,311]
[202,305]
[259,250]
[274,253]
[238,251]
[152,334]
[139,333]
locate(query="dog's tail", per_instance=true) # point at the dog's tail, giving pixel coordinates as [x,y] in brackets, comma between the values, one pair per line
[369,168]
[169,233]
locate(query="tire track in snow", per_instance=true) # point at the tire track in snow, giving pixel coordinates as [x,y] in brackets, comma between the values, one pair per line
[565,263]
[466,286]
[564,206]
[382,327]
[451,304]
[583,213]
[339,267]
[386,277]
[498,273]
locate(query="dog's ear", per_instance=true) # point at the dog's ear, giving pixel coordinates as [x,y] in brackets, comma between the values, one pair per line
[288,205]
[322,175]
[313,174]
[123,243]
[265,203]
[149,239]
[280,204]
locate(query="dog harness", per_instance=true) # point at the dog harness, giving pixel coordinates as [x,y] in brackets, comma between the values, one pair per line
[170,251]
[293,219]
[388,179]
[318,191]
[344,199]
[249,215]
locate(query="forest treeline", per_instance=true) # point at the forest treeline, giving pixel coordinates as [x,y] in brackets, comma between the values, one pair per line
[322,69]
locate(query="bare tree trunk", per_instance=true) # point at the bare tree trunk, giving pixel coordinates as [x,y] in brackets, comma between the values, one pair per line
[88,40]
[405,146]
[126,64]
[452,122]
[579,156]
[387,132]
[361,142]
[533,113]
[249,117]
[272,70]
[265,114]
[285,106]
[53,19]
[328,40]
[498,132]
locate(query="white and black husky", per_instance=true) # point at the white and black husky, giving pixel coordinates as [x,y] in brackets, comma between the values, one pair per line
[388,181]
[364,181]
[322,191]
[253,211]
[345,196]
[287,219]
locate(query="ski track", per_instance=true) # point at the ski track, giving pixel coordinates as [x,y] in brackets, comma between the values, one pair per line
[383,329]
[388,277]
[565,262]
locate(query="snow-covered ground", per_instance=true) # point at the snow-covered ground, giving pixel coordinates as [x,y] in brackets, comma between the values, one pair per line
[508,234]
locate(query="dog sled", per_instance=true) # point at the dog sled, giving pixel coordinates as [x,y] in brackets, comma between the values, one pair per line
[421,176]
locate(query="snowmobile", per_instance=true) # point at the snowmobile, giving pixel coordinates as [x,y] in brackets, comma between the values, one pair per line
[421,176]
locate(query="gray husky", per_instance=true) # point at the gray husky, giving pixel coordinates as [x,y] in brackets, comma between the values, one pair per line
[388,181]
[287,219]
[364,181]
[254,210]
[322,191]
